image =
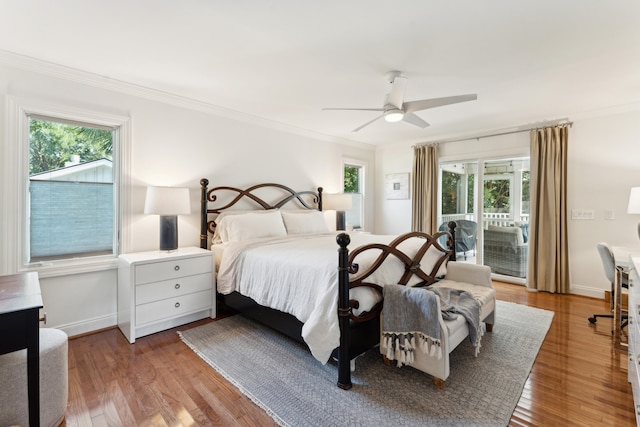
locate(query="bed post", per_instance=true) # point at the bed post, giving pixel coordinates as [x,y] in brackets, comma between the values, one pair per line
[204,182]
[344,312]
[452,229]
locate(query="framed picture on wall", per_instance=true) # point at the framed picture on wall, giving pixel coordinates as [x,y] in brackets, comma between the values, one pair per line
[396,186]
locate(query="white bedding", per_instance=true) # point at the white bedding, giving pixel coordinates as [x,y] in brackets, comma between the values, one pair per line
[299,275]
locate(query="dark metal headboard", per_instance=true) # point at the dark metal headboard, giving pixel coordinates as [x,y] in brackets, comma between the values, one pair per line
[306,200]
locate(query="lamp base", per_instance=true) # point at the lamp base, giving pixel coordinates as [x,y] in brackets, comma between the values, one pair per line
[341,223]
[168,232]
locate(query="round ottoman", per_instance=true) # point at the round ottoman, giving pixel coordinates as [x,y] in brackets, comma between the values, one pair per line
[54,382]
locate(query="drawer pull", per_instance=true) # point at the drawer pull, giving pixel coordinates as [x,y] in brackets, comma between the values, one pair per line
[638,409]
[176,268]
[177,305]
[177,286]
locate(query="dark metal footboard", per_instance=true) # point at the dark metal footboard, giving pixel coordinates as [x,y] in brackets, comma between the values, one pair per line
[346,266]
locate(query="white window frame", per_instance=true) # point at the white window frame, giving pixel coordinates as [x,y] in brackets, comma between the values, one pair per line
[15,225]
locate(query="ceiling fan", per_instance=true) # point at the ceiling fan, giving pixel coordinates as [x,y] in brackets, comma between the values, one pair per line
[395,109]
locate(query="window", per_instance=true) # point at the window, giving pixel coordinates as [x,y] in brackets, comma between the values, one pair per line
[353,174]
[66,185]
[70,190]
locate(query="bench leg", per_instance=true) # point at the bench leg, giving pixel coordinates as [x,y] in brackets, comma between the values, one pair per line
[387,361]
[489,327]
[439,383]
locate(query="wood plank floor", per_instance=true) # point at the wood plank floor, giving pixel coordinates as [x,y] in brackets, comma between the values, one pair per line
[577,379]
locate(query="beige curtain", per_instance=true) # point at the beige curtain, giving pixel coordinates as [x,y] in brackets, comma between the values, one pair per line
[548,244]
[425,188]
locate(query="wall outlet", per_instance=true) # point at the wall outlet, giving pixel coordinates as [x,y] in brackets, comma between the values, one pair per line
[609,214]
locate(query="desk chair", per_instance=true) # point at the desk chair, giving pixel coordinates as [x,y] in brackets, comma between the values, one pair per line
[609,264]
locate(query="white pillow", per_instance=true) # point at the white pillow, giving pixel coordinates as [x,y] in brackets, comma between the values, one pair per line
[429,261]
[304,222]
[217,233]
[233,228]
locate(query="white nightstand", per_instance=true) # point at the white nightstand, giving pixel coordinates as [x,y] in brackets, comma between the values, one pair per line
[161,290]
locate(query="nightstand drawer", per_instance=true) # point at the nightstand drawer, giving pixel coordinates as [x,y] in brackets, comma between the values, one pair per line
[170,269]
[173,307]
[150,292]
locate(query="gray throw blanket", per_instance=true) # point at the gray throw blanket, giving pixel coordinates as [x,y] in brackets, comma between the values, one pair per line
[454,302]
[410,319]
[410,322]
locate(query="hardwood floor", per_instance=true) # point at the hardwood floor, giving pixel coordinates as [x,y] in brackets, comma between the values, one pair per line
[577,379]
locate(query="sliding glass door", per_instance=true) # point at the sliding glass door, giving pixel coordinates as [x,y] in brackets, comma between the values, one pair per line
[489,200]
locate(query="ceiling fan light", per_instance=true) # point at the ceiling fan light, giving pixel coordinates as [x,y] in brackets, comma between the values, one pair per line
[393,115]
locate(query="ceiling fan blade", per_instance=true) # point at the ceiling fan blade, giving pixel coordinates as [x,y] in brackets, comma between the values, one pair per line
[353,109]
[368,123]
[396,97]
[415,120]
[424,104]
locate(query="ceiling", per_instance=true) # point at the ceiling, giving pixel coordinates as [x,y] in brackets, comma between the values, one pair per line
[283,61]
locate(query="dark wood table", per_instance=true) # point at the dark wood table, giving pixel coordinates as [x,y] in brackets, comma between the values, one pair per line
[20,304]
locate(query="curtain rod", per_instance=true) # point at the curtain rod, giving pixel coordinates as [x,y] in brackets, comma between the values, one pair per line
[561,122]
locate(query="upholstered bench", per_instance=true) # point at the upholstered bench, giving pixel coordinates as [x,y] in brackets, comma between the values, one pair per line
[475,279]
[54,382]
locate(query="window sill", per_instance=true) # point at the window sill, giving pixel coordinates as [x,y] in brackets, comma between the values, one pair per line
[76,266]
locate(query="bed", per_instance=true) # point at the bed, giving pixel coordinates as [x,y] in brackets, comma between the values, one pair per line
[279,264]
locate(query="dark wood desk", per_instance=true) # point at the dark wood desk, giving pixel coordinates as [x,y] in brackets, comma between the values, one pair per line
[20,302]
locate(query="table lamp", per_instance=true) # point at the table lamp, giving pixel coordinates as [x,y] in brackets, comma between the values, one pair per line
[338,202]
[168,202]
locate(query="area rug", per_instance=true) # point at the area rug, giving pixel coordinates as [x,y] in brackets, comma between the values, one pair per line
[282,377]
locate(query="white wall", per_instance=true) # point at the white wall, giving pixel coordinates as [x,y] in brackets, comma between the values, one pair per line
[604,163]
[174,142]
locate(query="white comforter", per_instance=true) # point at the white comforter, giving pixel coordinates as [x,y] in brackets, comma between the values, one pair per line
[299,275]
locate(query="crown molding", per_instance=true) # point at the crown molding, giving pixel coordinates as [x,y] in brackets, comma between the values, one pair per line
[104,82]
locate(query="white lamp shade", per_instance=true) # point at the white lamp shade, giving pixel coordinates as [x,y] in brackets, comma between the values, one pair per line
[337,202]
[634,201]
[167,201]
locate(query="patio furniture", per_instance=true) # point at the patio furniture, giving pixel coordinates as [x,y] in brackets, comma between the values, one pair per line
[505,251]
[466,235]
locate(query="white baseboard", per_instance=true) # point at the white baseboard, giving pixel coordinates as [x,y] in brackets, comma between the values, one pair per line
[587,291]
[86,326]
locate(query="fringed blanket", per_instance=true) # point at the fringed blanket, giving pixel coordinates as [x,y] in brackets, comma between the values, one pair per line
[410,322]
[410,319]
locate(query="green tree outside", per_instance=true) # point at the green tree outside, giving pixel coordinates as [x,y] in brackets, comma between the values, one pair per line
[351,179]
[51,144]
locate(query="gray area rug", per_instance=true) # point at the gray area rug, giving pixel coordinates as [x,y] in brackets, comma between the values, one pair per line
[282,377]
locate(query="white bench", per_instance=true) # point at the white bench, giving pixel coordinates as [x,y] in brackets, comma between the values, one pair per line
[467,277]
